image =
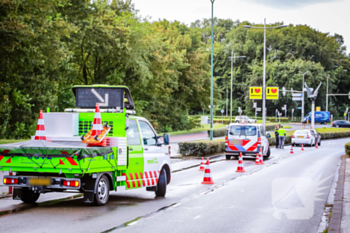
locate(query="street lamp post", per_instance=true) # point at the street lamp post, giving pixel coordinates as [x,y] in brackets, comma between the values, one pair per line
[302,91]
[212,70]
[264,72]
[327,95]
[232,57]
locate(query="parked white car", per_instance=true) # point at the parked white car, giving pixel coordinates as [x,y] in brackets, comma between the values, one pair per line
[305,137]
[244,119]
[243,137]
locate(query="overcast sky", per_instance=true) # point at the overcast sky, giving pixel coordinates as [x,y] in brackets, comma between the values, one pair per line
[328,16]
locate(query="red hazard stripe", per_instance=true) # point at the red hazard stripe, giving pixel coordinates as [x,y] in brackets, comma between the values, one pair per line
[245,142]
[155,174]
[5,151]
[71,161]
[40,127]
[148,184]
[143,180]
[132,179]
[1,157]
[232,147]
[138,181]
[126,180]
[9,160]
[253,147]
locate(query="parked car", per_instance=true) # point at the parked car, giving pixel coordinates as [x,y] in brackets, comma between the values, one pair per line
[244,119]
[321,117]
[243,137]
[340,123]
[306,137]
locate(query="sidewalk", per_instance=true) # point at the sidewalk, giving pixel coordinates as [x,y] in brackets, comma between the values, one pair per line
[345,218]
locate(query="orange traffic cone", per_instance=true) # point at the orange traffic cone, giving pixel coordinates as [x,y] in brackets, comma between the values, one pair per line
[302,147]
[240,167]
[96,135]
[316,145]
[261,157]
[40,128]
[291,149]
[201,168]
[207,177]
[257,160]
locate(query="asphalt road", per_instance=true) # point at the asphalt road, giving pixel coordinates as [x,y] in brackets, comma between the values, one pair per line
[280,196]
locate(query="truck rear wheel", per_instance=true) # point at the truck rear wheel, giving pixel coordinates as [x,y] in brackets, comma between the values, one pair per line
[161,186]
[228,157]
[102,191]
[29,196]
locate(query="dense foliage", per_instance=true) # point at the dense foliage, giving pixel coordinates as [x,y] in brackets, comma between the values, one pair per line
[47,46]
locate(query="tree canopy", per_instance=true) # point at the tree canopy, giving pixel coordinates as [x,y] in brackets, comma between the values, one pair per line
[47,46]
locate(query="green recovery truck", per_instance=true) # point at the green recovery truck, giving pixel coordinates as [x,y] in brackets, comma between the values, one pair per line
[133,156]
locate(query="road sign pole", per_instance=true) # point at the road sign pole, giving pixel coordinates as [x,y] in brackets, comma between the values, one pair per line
[313,115]
[264,79]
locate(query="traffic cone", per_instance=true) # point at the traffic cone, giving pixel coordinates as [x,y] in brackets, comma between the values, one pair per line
[207,177]
[240,167]
[261,157]
[40,128]
[257,160]
[201,168]
[302,147]
[316,145]
[97,126]
[291,149]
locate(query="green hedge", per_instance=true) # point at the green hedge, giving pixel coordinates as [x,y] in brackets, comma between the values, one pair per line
[201,148]
[213,147]
[347,148]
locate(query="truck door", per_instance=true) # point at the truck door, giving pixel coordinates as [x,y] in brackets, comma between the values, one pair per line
[152,153]
[135,163]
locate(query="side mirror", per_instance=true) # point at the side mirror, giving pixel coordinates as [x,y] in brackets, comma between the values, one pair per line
[268,135]
[166,139]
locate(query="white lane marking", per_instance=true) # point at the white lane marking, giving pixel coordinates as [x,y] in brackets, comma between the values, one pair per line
[197,217]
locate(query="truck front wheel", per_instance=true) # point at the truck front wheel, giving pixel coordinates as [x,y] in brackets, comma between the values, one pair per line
[29,196]
[102,191]
[161,186]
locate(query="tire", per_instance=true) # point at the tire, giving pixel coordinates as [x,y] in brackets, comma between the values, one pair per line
[337,126]
[102,191]
[268,153]
[28,196]
[325,122]
[161,186]
[236,157]
[228,157]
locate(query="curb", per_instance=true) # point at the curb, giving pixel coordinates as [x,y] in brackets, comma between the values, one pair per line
[337,210]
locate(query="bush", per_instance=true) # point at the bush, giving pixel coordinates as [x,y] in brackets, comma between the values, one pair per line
[347,148]
[218,132]
[201,148]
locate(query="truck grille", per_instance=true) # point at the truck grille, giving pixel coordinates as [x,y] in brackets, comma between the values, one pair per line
[85,126]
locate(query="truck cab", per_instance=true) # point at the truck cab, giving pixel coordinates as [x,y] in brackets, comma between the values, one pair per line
[131,154]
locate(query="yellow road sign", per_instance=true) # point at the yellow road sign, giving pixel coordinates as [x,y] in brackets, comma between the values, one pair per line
[318,108]
[272,93]
[255,93]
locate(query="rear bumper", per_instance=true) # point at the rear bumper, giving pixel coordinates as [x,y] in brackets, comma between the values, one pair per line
[301,141]
[56,182]
[244,153]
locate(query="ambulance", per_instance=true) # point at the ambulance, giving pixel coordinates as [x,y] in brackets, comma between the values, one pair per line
[95,148]
[246,139]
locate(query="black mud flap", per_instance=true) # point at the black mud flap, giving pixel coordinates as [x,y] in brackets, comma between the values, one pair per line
[17,194]
[89,196]
[154,189]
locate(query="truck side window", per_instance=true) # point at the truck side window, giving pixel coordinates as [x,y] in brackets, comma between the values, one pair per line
[148,136]
[133,134]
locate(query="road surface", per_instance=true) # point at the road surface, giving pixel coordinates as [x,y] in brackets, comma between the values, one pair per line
[287,194]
